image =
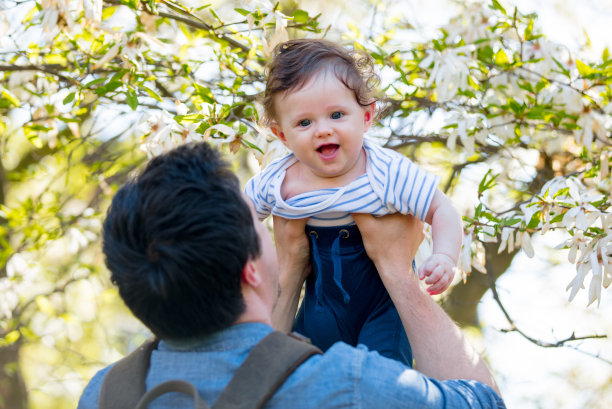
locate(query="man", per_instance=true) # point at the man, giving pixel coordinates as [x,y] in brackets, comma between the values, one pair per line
[193,264]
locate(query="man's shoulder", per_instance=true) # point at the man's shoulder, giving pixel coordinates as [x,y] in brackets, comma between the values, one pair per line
[91,393]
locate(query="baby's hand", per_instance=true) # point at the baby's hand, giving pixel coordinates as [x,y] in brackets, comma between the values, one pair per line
[439,270]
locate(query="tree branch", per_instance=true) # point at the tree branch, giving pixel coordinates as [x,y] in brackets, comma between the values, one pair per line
[47,68]
[545,344]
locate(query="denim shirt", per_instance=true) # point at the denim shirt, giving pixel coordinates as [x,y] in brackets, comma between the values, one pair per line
[343,377]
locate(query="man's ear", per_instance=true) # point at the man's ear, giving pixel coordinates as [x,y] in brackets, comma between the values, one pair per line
[368,116]
[278,132]
[250,275]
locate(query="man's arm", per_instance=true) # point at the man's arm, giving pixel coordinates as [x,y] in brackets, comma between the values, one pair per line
[439,347]
[292,250]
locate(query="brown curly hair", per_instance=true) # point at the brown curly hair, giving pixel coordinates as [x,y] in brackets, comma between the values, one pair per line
[294,62]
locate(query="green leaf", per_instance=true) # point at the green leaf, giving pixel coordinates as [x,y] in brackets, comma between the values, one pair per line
[486,54]
[131,98]
[32,136]
[242,11]
[564,70]
[111,86]
[605,56]
[529,30]
[216,16]
[69,98]
[512,222]
[541,85]
[300,16]
[9,338]
[487,182]
[251,145]
[501,58]
[583,69]
[94,82]
[152,6]
[9,96]
[107,12]
[204,93]
[152,93]
[499,7]
[526,86]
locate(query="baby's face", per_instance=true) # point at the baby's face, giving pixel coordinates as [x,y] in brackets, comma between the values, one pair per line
[323,125]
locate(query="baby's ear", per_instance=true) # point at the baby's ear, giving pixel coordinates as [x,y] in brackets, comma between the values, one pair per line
[277,131]
[368,116]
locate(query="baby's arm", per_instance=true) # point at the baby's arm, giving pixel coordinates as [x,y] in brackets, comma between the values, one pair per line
[447,235]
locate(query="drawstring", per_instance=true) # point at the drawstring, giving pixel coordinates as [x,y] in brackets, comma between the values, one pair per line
[337,264]
[337,260]
[317,259]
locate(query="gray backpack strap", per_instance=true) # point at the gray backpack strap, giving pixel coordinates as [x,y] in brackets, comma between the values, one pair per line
[124,384]
[264,370]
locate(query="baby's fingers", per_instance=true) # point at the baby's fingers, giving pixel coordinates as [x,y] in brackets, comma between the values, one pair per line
[426,269]
[441,284]
[436,274]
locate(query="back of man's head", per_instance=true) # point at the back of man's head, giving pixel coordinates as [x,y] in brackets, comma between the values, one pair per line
[176,239]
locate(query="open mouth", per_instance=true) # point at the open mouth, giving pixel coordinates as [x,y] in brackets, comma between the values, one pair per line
[329,150]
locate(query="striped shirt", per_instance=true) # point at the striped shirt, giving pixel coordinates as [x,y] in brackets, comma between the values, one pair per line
[392,183]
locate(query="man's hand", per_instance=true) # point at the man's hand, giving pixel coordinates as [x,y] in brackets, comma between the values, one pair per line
[391,240]
[438,271]
[293,252]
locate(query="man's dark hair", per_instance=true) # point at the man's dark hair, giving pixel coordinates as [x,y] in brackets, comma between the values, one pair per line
[294,62]
[176,239]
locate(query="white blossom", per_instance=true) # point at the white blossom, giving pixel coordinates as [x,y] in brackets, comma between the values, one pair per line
[93,10]
[545,51]
[577,282]
[464,262]
[79,239]
[465,122]
[9,298]
[524,240]
[160,138]
[263,5]
[507,240]
[221,129]
[471,25]
[583,215]
[592,125]
[450,70]
[280,33]
[488,234]
[271,147]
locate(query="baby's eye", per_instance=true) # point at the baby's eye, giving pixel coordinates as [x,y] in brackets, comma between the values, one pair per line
[336,115]
[304,122]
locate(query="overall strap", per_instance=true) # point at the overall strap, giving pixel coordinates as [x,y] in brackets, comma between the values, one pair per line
[264,370]
[124,384]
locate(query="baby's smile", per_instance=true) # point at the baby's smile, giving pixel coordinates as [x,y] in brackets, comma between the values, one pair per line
[328,151]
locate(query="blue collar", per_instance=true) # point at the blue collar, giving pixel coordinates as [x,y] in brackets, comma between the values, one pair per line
[234,337]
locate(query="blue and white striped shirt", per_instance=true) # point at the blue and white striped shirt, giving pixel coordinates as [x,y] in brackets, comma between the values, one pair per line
[392,183]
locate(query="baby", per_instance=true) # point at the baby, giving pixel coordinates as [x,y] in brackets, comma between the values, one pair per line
[318,102]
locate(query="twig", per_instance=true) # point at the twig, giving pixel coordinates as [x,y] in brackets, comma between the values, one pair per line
[544,344]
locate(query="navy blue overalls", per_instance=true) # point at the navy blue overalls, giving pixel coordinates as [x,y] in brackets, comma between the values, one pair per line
[345,299]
